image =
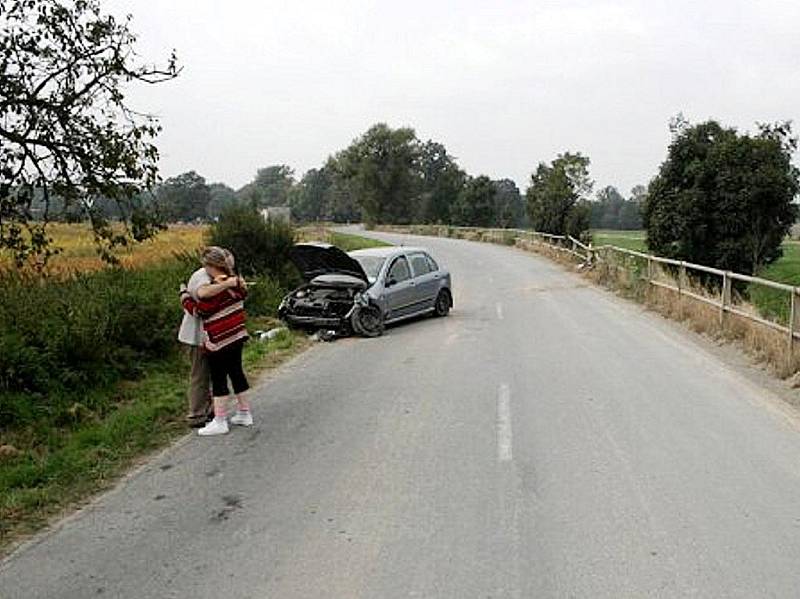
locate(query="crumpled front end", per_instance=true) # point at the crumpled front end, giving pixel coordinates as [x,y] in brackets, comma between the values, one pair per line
[313,307]
[334,304]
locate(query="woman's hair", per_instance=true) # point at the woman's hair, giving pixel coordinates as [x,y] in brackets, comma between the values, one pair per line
[218,258]
[230,261]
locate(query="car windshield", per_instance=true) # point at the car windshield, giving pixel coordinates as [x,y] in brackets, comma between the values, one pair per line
[371,265]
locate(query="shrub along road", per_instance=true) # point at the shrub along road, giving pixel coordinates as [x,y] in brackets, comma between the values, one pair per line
[545,440]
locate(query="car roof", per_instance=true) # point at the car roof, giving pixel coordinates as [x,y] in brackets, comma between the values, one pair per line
[387,251]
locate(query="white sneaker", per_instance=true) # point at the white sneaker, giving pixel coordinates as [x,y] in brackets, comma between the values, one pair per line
[215,427]
[242,419]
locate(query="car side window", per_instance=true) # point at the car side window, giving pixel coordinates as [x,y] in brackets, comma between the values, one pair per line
[432,263]
[419,264]
[399,270]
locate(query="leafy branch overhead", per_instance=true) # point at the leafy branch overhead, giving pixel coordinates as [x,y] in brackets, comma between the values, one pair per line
[67,135]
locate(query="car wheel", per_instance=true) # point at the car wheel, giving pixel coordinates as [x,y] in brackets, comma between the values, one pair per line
[443,303]
[367,321]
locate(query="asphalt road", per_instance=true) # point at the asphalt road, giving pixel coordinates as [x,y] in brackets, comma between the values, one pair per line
[545,440]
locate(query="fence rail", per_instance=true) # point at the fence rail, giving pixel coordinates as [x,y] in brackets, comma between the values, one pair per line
[590,255]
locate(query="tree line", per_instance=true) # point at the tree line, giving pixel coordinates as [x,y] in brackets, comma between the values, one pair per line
[72,148]
[390,176]
[385,176]
[721,197]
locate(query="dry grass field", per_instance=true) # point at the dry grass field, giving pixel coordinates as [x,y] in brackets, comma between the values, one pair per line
[80,255]
[79,252]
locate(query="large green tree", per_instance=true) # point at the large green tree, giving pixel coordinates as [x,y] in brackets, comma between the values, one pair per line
[509,205]
[555,190]
[475,205]
[340,203]
[723,198]
[221,198]
[612,211]
[381,169]
[442,181]
[308,199]
[270,187]
[185,197]
[66,130]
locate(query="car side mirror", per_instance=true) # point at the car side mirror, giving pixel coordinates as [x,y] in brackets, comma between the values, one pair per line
[391,282]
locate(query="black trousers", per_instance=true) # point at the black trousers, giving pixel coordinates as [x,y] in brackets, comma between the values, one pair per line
[225,364]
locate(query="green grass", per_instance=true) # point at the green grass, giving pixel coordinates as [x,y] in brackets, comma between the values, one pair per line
[630,240]
[770,303]
[348,242]
[58,468]
[787,268]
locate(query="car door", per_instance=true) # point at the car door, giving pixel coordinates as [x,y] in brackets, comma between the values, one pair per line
[399,289]
[426,282]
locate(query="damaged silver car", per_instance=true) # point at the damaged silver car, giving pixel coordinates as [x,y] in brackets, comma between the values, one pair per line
[364,290]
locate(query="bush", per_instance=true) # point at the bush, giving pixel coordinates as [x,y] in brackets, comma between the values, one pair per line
[722,198]
[61,338]
[261,247]
[577,223]
[264,296]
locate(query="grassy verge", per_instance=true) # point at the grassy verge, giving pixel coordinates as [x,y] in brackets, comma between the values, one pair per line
[45,481]
[348,242]
[344,241]
[770,303]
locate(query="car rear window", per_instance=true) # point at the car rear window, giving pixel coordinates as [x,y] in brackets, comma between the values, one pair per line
[420,265]
[432,263]
[399,270]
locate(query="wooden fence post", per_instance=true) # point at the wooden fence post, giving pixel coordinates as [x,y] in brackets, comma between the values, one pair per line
[681,281]
[794,326]
[725,299]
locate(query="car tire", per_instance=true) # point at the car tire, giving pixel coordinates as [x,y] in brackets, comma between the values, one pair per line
[367,321]
[443,303]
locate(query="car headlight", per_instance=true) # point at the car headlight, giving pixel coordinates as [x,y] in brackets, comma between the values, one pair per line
[361,300]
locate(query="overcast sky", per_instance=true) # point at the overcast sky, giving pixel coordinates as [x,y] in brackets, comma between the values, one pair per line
[504,85]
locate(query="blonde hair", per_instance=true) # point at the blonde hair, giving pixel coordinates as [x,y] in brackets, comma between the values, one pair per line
[218,257]
[230,260]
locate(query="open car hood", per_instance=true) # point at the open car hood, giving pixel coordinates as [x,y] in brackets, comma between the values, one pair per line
[314,259]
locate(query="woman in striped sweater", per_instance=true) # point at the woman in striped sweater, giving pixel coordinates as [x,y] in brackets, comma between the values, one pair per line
[220,305]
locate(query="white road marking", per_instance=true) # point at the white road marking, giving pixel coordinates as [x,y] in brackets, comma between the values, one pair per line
[504,423]
[499,308]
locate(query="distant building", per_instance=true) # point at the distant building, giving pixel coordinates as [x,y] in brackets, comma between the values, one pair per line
[277,213]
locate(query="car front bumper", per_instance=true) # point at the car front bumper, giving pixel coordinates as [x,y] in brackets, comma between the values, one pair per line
[312,321]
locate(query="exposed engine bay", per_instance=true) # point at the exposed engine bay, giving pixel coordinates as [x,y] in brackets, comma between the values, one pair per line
[320,301]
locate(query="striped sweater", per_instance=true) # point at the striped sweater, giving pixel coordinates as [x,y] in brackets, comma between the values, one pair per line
[223,317]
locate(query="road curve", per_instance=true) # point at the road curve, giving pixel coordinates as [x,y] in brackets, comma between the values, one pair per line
[545,440]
